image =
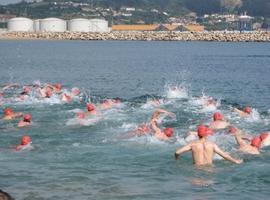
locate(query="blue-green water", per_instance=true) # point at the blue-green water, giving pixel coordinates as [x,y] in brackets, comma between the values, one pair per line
[94,162]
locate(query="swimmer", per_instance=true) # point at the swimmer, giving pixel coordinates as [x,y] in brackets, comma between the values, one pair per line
[243,113]
[75,91]
[203,151]
[25,144]
[26,121]
[158,133]
[25,93]
[80,115]
[142,129]
[91,109]
[116,101]
[66,97]
[106,104]
[45,92]
[5,196]
[57,88]
[10,114]
[265,138]
[10,85]
[233,130]
[219,122]
[251,148]
[164,134]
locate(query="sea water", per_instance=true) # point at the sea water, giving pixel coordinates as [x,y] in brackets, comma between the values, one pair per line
[93,160]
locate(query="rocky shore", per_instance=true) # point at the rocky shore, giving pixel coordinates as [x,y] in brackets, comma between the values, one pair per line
[144,36]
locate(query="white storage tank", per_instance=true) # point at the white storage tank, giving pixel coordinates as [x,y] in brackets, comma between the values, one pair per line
[37,25]
[99,25]
[20,24]
[79,25]
[53,25]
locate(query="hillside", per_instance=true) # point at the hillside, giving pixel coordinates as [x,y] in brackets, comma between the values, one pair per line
[137,11]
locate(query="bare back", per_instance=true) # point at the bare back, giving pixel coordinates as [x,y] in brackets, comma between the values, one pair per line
[202,152]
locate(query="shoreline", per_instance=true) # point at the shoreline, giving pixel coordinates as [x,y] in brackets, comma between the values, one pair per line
[254,36]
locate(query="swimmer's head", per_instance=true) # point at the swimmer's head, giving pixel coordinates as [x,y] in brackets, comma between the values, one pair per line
[27,118]
[80,115]
[8,111]
[204,131]
[25,140]
[75,91]
[232,129]
[256,142]
[247,110]
[90,107]
[168,131]
[264,135]
[116,100]
[58,86]
[106,102]
[218,116]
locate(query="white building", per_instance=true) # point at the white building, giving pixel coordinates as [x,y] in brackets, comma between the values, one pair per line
[53,25]
[79,25]
[99,25]
[20,24]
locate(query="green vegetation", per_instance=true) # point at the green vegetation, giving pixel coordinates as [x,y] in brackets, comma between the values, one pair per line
[142,11]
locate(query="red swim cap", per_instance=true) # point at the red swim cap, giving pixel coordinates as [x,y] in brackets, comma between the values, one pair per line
[218,116]
[248,110]
[80,115]
[90,107]
[8,111]
[204,131]
[168,131]
[264,135]
[25,140]
[27,117]
[232,129]
[58,86]
[256,142]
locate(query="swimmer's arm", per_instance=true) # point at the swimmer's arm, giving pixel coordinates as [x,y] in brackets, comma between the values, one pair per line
[155,127]
[172,115]
[240,112]
[17,114]
[226,156]
[239,139]
[182,150]
[10,85]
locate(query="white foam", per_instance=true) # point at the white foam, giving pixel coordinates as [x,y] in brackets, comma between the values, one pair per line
[176,92]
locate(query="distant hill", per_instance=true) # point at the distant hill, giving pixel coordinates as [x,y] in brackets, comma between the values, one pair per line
[147,11]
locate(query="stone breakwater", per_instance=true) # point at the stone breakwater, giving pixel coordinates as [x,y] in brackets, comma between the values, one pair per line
[145,36]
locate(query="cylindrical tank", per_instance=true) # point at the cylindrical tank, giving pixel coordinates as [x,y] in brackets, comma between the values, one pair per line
[20,24]
[53,25]
[79,25]
[37,25]
[99,25]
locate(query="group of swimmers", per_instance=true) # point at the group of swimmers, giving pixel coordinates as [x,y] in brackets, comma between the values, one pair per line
[202,149]
[45,92]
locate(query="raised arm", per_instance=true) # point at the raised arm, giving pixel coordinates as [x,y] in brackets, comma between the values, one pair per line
[182,150]
[226,156]
[162,111]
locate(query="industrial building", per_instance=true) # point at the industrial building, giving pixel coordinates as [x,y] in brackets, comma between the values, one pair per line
[79,25]
[20,24]
[58,25]
[52,25]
